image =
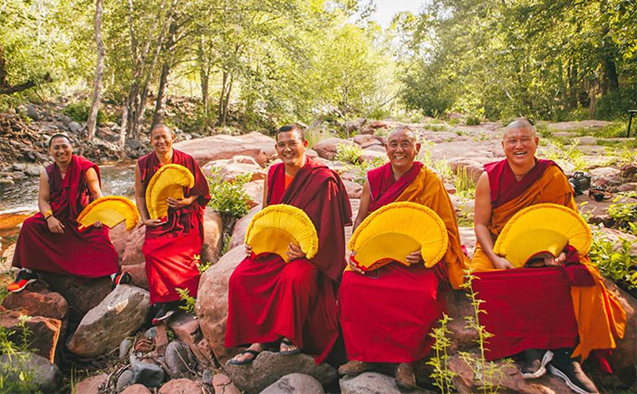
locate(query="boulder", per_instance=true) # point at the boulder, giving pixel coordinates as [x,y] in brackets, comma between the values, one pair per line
[255,192]
[295,383]
[136,389]
[624,358]
[42,333]
[104,327]
[256,145]
[74,127]
[327,147]
[44,375]
[32,112]
[223,385]
[354,190]
[629,172]
[472,168]
[146,372]
[212,236]
[372,154]
[606,176]
[269,367]
[212,302]
[37,300]
[186,329]
[180,386]
[124,380]
[240,228]
[81,294]
[178,359]
[238,165]
[91,385]
[372,383]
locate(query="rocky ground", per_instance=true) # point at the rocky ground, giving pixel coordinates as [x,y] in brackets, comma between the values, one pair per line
[86,326]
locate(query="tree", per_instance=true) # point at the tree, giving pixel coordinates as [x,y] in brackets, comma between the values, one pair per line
[99,71]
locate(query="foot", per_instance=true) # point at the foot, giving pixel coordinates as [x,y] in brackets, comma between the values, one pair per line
[405,378]
[23,279]
[535,361]
[123,278]
[288,348]
[164,311]
[570,370]
[247,356]
[354,368]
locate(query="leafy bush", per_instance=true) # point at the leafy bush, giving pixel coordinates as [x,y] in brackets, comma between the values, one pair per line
[624,216]
[16,376]
[79,112]
[615,261]
[472,120]
[363,167]
[464,184]
[348,153]
[229,198]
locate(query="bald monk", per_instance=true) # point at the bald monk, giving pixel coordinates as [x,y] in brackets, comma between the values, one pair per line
[292,305]
[387,314]
[172,244]
[50,240]
[522,304]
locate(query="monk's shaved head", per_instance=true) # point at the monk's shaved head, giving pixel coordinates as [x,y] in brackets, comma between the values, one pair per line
[519,124]
[161,126]
[400,130]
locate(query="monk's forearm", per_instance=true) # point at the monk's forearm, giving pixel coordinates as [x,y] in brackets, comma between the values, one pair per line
[141,208]
[45,208]
[484,238]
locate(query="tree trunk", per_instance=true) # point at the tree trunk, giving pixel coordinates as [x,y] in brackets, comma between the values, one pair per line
[99,71]
[160,103]
[123,126]
[222,96]
[226,102]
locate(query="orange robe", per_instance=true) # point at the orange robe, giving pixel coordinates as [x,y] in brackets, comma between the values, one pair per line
[600,317]
[387,314]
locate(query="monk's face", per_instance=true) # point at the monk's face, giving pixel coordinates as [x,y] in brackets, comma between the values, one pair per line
[519,145]
[161,138]
[291,148]
[402,148]
[61,150]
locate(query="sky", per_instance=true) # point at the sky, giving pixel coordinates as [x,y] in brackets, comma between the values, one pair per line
[386,9]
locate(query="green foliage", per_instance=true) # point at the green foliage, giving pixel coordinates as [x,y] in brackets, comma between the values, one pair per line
[442,376]
[443,168]
[473,120]
[229,198]
[624,214]
[348,153]
[363,167]
[227,238]
[464,184]
[79,112]
[188,301]
[16,376]
[202,267]
[567,156]
[615,260]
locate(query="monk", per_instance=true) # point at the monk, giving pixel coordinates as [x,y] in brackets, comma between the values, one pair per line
[522,304]
[387,314]
[172,245]
[292,305]
[50,240]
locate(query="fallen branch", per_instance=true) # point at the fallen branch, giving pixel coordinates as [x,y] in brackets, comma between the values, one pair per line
[26,85]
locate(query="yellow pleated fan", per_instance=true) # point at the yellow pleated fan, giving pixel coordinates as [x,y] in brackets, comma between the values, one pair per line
[542,228]
[276,226]
[110,211]
[168,181]
[396,230]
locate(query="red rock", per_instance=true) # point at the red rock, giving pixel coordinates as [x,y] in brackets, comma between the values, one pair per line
[624,357]
[213,236]
[180,386]
[91,385]
[327,147]
[37,300]
[256,145]
[354,190]
[43,333]
[136,389]
[187,330]
[240,228]
[255,192]
[81,294]
[238,165]
[223,385]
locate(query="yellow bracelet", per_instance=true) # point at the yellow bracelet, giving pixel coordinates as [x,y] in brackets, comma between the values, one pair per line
[48,213]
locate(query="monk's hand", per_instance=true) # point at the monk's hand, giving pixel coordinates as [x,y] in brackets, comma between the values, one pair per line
[152,222]
[98,224]
[55,226]
[551,261]
[295,252]
[352,264]
[248,250]
[502,264]
[414,257]
[178,203]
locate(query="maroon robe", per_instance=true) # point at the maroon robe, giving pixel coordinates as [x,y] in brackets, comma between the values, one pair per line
[387,314]
[170,249]
[522,304]
[88,253]
[269,299]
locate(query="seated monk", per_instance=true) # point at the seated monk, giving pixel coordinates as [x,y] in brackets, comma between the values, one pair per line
[387,314]
[50,240]
[522,304]
[172,245]
[292,305]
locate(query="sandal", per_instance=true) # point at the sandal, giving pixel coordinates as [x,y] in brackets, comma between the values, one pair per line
[244,361]
[288,343]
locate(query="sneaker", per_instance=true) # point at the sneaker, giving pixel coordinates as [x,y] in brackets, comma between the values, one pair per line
[354,368]
[22,280]
[123,278]
[405,378]
[568,369]
[163,312]
[535,361]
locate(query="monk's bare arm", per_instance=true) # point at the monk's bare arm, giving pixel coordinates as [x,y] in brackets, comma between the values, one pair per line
[363,212]
[482,218]
[265,192]
[93,183]
[140,200]
[44,204]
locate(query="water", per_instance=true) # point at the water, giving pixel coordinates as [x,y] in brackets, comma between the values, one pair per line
[19,201]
